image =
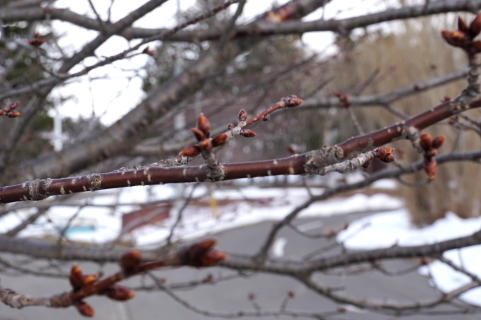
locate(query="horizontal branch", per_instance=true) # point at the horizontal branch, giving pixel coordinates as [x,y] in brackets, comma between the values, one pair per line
[258,29]
[49,250]
[199,254]
[312,162]
[385,98]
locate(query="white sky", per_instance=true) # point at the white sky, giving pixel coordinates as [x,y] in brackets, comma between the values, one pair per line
[116,88]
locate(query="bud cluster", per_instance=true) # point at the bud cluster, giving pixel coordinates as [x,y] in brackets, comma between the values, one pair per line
[464,37]
[9,111]
[37,40]
[130,261]
[202,134]
[202,254]
[203,129]
[384,154]
[344,101]
[80,281]
[429,147]
[148,51]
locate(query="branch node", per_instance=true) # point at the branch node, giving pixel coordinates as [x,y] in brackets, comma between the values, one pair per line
[318,159]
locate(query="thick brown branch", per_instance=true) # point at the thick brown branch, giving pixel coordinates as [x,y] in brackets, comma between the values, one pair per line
[312,162]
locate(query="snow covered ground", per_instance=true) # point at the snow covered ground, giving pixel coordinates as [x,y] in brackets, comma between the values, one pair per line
[243,204]
[387,229]
[97,220]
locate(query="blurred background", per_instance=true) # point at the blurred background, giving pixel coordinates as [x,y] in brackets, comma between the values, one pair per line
[367,62]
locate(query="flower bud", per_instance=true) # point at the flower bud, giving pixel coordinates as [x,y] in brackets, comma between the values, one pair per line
[14,114]
[385,154]
[430,168]
[205,145]
[248,133]
[190,151]
[462,26]
[199,134]
[425,141]
[202,254]
[455,38]
[85,309]
[76,277]
[475,26]
[203,124]
[130,260]
[292,101]
[220,139]
[119,293]
[89,279]
[148,51]
[438,142]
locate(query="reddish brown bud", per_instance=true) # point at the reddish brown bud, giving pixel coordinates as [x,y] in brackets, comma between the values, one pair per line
[203,124]
[425,141]
[13,106]
[291,294]
[37,40]
[85,309]
[455,38]
[212,257]
[148,51]
[242,115]
[462,26]
[14,114]
[190,151]
[205,145]
[430,168]
[475,26]
[344,101]
[202,254]
[385,154]
[248,133]
[89,279]
[292,101]
[199,135]
[438,142]
[130,260]
[220,139]
[251,296]
[230,126]
[208,243]
[119,293]
[76,277]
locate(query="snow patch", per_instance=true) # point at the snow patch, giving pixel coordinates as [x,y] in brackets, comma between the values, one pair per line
[394,228]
